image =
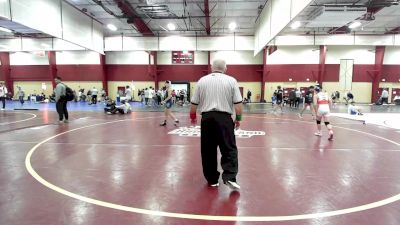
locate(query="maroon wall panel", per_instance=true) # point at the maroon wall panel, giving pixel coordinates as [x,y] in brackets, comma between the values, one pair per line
[298,73]
[247,73]
[391,73]
[243,73]
[362,73]
[128,72]
[181,72]
[80,72]
[332,72]
[1,75]
[195,72]
[30,73]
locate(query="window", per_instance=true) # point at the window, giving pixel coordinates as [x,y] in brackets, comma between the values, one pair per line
[182,57]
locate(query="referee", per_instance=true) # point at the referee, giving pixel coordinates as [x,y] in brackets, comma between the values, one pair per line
[217,96]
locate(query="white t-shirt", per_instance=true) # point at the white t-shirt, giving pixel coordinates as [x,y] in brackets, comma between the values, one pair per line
[151,93]
[3,91]
[128,93]
[385,94]
[94,91]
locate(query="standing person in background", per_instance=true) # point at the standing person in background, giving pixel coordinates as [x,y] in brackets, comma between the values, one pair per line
[218,96]
[168,104]
[333,97]
[103,95]
[173,97]
[146,96]
[94,95]
[3,95]
[292,98]
[279,99]
[21,96]
[128,94]
[151,95]
[142,98]
[298,98]
[337,93]
[308,102]
[89,96]
[249,96]
[61,100]
[385,96]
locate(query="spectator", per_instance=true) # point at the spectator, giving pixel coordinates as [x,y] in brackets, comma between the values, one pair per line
[385,96]
[249,96]
[21,96]
[94,93]
[3,95]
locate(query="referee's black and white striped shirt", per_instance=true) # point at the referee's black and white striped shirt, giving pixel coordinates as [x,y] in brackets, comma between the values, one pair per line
[217,92]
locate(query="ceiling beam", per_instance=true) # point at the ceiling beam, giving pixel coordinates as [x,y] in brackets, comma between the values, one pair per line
[345,29]
[134,18]
[207,14]
[394,31]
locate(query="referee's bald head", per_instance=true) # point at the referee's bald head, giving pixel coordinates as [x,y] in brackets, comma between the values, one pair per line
[219,65]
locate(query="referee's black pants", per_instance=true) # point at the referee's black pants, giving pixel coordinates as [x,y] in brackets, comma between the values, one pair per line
[217,130]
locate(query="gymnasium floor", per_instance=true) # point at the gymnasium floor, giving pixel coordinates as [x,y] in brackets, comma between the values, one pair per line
[125,169]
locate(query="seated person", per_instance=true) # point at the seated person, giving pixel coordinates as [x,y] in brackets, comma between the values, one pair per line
[110,106]
[396,100]
[353,110]
[52,98]
[124,108]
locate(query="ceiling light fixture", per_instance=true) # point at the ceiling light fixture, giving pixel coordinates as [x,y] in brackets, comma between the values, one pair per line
[295,25]
[5,30]
[112,27]
[171,26]
[232,26]
[355,25]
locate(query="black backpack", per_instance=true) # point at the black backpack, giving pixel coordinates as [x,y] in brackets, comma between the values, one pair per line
[69,93]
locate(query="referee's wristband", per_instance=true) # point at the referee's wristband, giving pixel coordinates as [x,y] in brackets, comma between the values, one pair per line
[238,117]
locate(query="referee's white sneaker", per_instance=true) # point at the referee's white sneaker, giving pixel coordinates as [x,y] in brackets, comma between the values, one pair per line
[319,134]
[232,185]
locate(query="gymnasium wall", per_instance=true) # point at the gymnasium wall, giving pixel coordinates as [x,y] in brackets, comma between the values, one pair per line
[287,65]
[31,87]
[138,85]
[87,85]
[270,87]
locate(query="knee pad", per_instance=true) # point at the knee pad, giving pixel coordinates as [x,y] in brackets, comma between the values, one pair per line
[326,123]
[318,121]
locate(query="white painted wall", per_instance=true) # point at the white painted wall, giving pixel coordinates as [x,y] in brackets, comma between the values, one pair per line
[392,56]
[77,57]
[25,58]
[360,54]
[164,58]
[294,55]
[133,57]
[200,58]
[237,57]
